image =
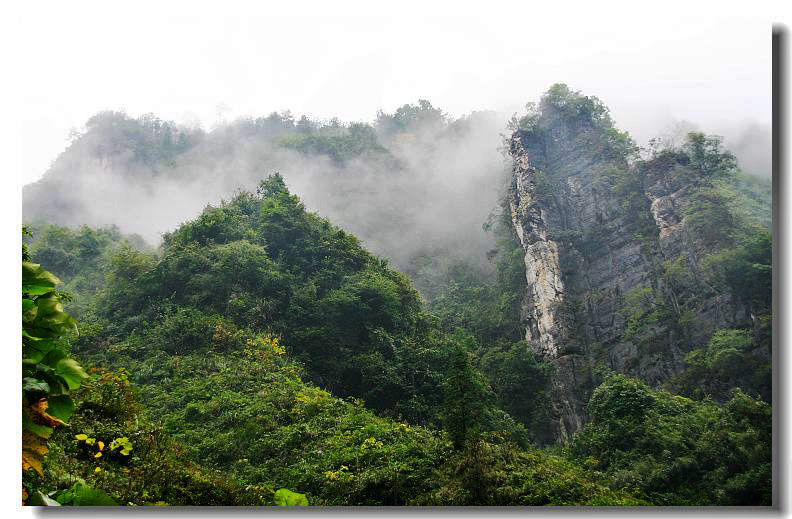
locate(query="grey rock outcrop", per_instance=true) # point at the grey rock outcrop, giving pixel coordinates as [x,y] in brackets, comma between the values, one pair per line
[594,228]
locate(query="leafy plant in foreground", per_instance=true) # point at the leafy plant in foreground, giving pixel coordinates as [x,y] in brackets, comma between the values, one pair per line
[48,373]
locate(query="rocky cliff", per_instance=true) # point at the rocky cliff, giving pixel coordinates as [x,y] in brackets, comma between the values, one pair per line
[613,250]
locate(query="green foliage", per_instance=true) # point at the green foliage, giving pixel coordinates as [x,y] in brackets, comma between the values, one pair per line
[77,255]
[676,450]
[466,398]
[700,159]
[520,382]
[709,215]
[723,351]
[575,105]
[122,455]
[148,139]
[49,375]
[491,472]
[81,494]
[487,308]
[746,268]
[729,360]
[411,119]
[107,410]
[285,497]
[756,196]
[462,296]
[579,114]
[339,143]
[707,157]
[249,415]
[708,175]
[618,398]
[264,263]
[641,310]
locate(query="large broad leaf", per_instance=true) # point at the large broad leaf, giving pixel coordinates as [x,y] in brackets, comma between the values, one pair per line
[34,385]
[49,306]
[36,349]
[53,357]
[50,320]
[39,499]
[285,497]
[81,494]
[27,304]
[71,372]
[43,372]
[46,370]
[61,407]
[36,280]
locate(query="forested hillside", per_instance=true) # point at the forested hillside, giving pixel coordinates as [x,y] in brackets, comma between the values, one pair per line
[575,321]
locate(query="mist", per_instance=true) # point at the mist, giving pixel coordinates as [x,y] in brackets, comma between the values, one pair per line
[435,183]
[424,190]
[750,141]
[419,194]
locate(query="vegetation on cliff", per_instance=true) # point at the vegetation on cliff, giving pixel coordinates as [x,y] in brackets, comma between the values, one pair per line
[262,355]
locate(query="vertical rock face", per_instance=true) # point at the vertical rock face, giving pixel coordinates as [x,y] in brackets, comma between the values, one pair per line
[542,261]
[598,235]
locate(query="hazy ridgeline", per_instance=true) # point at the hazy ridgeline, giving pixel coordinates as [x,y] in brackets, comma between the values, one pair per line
[414,186]
[414,183]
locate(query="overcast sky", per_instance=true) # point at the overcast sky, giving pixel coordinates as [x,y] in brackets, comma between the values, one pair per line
[706,63]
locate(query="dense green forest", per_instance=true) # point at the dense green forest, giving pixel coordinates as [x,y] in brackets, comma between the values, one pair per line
[261,355]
